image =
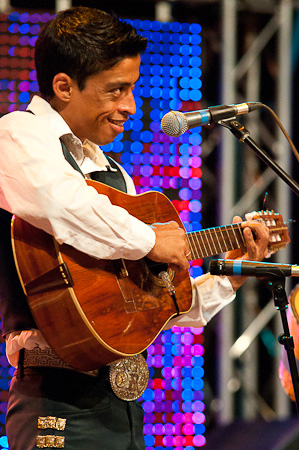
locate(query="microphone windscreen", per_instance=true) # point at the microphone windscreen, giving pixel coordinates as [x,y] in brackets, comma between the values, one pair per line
[174,123]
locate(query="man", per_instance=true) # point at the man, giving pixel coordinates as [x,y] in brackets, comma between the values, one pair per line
[87,64]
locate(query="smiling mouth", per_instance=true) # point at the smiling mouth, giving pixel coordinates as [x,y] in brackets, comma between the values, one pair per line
[119,123]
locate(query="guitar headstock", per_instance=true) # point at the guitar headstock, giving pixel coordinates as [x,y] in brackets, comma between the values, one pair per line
[279,232]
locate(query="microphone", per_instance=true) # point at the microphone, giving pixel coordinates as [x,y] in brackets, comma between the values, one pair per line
[257,269]
[175,123]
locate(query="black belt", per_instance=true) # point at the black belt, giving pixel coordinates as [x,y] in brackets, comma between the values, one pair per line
[38,357]
[128,376]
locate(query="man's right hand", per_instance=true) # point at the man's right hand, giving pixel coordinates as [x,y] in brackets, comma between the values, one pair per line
[171,246]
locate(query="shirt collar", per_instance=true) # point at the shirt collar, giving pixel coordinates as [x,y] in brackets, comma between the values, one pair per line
[88,156]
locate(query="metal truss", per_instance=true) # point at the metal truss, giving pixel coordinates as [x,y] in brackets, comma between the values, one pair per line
[239,366]
[244,181]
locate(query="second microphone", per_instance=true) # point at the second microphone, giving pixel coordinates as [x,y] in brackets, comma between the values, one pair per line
[236,267]
[176,123]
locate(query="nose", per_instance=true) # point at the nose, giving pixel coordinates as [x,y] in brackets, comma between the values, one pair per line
[128,104]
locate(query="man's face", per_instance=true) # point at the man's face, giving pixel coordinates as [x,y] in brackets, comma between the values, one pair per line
[99,111]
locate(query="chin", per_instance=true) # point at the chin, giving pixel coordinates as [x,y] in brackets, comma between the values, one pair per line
[105,141]
[101,143]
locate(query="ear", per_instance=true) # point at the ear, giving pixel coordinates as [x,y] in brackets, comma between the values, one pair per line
[63,86]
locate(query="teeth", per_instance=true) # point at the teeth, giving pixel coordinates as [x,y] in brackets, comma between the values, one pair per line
[117,122]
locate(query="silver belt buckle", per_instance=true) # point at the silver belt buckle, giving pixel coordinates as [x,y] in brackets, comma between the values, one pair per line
[129,377]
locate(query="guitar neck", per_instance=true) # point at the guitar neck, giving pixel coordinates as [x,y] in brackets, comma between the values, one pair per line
[213,241]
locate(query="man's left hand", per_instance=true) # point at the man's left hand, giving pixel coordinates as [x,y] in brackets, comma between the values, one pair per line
[256,236]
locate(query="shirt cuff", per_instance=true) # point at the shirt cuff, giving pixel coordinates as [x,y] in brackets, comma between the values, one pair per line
[210,294]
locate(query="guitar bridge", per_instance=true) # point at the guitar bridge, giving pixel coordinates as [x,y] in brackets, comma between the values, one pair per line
[57,278]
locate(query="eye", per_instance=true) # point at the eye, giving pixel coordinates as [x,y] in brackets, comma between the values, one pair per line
[122,90]
[117,91]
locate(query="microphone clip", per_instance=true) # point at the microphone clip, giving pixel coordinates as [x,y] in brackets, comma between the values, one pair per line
[237,129]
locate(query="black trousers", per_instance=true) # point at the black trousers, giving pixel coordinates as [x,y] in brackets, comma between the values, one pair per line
[95,419]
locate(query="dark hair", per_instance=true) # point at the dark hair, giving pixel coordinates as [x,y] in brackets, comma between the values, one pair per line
[80,42]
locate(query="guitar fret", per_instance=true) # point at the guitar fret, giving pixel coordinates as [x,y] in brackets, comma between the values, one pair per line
[197,245]
[194,244]
[241,236]
[202,246]
[215,241]
[223,238]
[212,241]
[217,250]
[189,239]
[208,242]
[234,233]
[219,244]
[234,239]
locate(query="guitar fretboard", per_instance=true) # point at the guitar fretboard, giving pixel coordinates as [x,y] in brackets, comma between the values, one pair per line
[212,241]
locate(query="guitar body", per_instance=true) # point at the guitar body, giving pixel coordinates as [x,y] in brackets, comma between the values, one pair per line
[93,312]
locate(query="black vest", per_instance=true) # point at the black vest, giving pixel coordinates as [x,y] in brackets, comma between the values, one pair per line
[15,313]
[14,309]
[109,177]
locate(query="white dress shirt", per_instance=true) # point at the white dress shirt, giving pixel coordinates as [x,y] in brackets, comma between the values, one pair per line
[38,185]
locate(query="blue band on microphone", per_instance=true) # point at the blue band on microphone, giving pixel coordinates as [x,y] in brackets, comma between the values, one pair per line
[237,267]
[180,123]
[205,116]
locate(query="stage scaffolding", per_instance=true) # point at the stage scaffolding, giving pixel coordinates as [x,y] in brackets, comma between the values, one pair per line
[242,186]
[248,68]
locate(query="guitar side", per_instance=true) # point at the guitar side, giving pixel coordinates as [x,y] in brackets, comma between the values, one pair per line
[113,309]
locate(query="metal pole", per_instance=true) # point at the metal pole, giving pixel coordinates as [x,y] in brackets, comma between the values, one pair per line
[4,6]
[229,8]
[163,11]
[283,156]
[60,5]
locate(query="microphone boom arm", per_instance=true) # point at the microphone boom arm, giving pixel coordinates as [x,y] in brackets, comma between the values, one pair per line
[243,135]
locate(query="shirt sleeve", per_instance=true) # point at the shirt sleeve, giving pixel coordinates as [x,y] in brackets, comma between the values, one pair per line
[39,186]
[210,293]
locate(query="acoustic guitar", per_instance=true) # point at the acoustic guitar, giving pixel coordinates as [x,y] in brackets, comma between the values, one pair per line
[93,312]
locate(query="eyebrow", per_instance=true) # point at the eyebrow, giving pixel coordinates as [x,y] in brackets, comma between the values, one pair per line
[115,84]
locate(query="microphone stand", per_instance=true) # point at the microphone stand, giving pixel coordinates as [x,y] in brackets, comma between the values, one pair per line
[276,281]
[243,135]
